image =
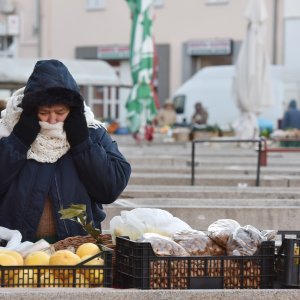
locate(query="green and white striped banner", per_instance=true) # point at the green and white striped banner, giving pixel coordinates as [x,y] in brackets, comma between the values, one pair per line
[140,105]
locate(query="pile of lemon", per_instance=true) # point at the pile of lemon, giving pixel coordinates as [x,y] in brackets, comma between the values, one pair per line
[52,277]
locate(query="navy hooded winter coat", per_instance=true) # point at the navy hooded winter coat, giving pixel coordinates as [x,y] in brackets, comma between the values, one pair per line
[291,118]
[92,173]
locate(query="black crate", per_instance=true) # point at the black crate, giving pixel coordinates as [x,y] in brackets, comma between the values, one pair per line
[287,264]
[138,267]
[286,234]
[60,276]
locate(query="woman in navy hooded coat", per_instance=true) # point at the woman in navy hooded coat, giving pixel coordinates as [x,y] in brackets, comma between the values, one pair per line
[53,153]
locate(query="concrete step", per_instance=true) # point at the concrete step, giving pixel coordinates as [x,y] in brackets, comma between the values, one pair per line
[207,202]
[209,192]
[200,213]
[282,180]
[183,161]
[209,169]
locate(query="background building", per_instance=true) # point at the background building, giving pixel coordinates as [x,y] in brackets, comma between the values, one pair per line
[189,34]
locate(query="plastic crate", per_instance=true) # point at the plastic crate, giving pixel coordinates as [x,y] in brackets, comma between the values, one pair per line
[60,276]
[287,260]
[138,267]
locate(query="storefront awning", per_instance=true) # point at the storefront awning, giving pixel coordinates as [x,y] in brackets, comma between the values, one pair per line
[14,72]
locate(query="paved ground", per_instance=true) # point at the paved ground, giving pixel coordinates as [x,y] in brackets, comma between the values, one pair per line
[132,294]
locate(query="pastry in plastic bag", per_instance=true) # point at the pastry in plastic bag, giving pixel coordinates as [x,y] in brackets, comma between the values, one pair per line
[220,230]
[244,241]
[198,243]
[269,235]
[162,245]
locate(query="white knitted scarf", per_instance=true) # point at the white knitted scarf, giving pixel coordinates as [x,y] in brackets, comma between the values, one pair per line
[51,142]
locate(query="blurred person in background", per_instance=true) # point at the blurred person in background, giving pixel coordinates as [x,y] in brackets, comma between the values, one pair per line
[166,115]
[200,115]
[291,118]
[53,153]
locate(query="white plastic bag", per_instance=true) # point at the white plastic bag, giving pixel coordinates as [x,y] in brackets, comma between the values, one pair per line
[141,220]
[13,238]
[121,227]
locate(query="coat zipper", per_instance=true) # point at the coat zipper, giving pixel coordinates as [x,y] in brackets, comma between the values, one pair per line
[60,202]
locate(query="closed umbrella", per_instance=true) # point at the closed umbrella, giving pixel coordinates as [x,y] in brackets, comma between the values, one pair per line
[141,108]
[252,82]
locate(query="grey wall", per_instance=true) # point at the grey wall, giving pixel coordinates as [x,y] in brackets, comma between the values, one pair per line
[235,51]
[86,52]
[163,52]
[187,64]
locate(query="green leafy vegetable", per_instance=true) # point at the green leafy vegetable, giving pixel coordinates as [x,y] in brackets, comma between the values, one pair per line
[77,213]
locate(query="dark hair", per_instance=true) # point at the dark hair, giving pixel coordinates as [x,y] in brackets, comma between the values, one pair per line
[51,96]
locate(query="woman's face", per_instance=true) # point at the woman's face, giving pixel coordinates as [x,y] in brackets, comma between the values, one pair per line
[53,114]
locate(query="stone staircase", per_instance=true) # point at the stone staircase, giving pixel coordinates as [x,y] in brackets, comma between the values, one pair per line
[225,177]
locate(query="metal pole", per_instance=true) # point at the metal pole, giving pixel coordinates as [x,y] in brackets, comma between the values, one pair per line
[193,164]
[275,25]
[258,163]
[39,27]
[227,141]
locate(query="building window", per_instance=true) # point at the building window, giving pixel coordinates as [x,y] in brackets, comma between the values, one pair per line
[95,4]
[6,46]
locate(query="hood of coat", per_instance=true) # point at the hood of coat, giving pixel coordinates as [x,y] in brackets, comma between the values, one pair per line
[293,104]
[51,83]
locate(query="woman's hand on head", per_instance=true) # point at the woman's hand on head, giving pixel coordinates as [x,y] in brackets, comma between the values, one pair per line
[27,127]
[75,126]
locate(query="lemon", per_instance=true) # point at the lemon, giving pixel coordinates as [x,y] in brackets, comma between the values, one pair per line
[37,258]
[87,249]
[25,278]
[97,261]
[49,280]
[7,260]
[15,254]
[81,281]
[64,258]
[94,275]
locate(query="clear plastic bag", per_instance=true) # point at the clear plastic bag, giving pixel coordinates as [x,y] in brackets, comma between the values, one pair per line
[162,245]
[198,243]
[220,230]
[269,235]
[244,241]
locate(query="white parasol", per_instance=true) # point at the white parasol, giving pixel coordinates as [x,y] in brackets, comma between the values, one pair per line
[252,82]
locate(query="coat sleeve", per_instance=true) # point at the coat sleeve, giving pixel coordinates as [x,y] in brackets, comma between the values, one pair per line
[102,168]
[285,121]
[13,156]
